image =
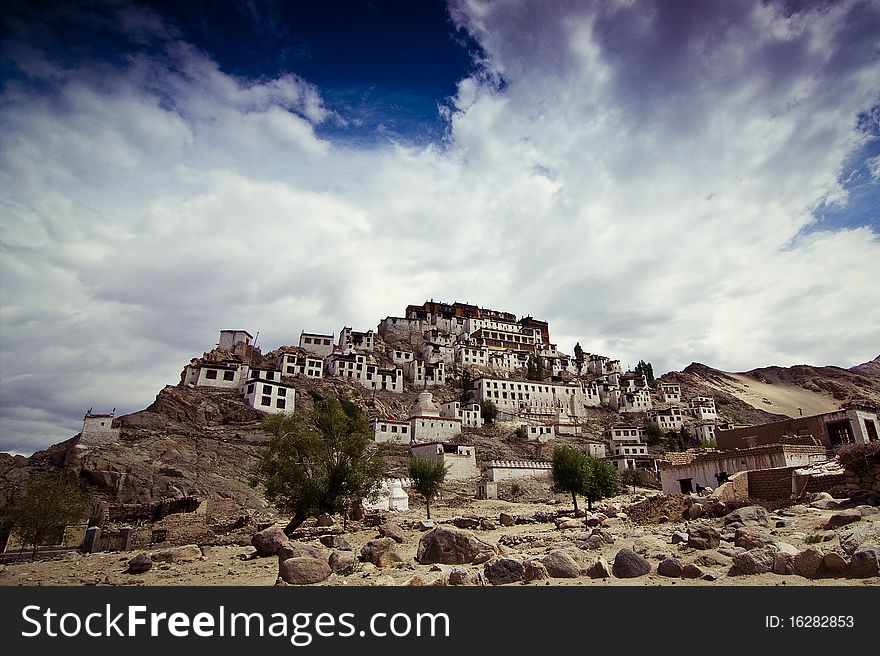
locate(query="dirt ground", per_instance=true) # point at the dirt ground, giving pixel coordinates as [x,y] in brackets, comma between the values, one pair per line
[234,566]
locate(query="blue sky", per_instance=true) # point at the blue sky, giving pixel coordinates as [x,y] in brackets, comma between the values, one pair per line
[673,182]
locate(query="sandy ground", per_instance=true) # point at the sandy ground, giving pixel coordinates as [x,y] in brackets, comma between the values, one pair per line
[779,397]
[231,565]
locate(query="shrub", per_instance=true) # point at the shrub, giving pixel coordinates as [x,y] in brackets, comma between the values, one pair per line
[521,432]
[858,456]
[815,538]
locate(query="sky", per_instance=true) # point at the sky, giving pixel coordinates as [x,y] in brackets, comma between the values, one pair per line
[673,182]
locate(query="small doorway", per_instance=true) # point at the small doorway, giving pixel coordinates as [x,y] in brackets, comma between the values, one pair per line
[687,485]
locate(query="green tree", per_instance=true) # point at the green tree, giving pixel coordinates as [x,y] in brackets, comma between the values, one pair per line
[466,385]
[569,471]
[488,411]
[535,368]
[49,502]
[653,432]
[325,466]
[578,352]
[521,432]
[647,370]
[630,477]
[603,480]
[427,478]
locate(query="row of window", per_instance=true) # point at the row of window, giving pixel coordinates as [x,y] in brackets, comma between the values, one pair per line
[384,428]
[317,341]
[211,374]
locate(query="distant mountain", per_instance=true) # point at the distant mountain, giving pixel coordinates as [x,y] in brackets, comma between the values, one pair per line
[871,368]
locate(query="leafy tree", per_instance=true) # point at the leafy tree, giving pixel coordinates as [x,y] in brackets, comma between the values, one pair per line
[578,352]
[325,466]
[488,411]
[653,432]
[48,502]
[427,478]
[630,477]
[521,432]
[569,471]
[535,368]
[466,384]
[647,370]
[602,481]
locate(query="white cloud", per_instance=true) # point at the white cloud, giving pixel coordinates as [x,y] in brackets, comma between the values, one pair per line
[648,201]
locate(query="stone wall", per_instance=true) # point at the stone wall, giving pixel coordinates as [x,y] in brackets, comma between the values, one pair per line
[865,478]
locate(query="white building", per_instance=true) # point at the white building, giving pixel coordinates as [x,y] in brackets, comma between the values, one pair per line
[636,401]
[390,496]
[291,364]
[355,366]
[98,430]
[504,470]
[363,341]
[316,344]
[421,374]
[391,430]
[668,420]
[401,357]
[705,432]
[470,355]
[669,393]
[539,432]
[536,398]
[703,408]
[470,415]
[229,338]
[625,433]
[508,361]
[426,423]
[460,460]
[227,374]
[433,353]
[269,396]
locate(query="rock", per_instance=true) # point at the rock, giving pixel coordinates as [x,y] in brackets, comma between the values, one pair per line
[304,570]
[749,537]
[565,524]
[500,571]
[483,556]
[821,500]
[701,536]
[842,519]
[424,525]
[466,522]
[592,543]
[807,562]
[754,515]
[710,560]
[534,570]
[605,536]
[268,541]
[629,565]
[140,564]
[592,520]
[342,562]
[487,524]
[392,531]
[450,546]
[335,542]
[730,552]
[623,516]
[834,566]
[691,571]
[506,519]
[679,536]
[463,576]
[865,563]
[599,569]
[325,520]
[384,581]
[381,552]
[754,561]
[561,565]
[290,549]
[783,563]
[185,554]
[670,567]
[695,511]
[526,519]
[862,534]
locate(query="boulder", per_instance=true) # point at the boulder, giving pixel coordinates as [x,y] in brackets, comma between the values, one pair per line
[565,524]
[863,534]
[450,546]
[783,563]
[865,563]
[807,562]
[605,536]
[342,562]
[335,542]
[466,522]
[754,561]
[670,567]
[701,536]
[381,552]
[534,570]
[464,576]
[592,543]
[385,581]
[842,519]
[750,537]
[304,570]
[487,524]
[695,511]
[392,531]
[834,566]
[500,571]
[629,565]
[268,541]
[691,571]
[140,564]
[325,520]
[822,500]
[749,515]
[290,549]
[561,565]
[599,569]
[424,525]
[506,519]
[185,554]
[679,536]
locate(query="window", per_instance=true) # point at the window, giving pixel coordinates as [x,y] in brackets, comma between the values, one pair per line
[266,400]
[282,391]
[211,374]
[307,340]
[394,429]
[228,375]
[250,388]
[267,389]
[270,375]
[291,370]
[280,403]
[403,429]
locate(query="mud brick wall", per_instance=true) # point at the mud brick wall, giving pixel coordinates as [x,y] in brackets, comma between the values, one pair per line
[770,483]
[826,483]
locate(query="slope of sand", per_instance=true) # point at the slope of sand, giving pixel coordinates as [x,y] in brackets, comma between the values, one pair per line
[780,398]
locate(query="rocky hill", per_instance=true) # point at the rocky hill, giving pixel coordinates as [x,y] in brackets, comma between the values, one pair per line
[871,368]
